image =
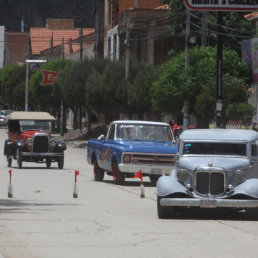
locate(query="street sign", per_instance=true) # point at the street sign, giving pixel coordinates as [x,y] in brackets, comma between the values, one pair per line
[222,5]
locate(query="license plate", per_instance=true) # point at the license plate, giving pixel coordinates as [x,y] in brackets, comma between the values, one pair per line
[208,203]
[156,171]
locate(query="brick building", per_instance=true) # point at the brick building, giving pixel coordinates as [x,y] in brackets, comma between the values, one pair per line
[47,42]
[140,26]
[16,46]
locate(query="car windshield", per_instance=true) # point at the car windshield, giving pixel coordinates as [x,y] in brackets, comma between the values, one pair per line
[212,148]
[144,132]
[35,125]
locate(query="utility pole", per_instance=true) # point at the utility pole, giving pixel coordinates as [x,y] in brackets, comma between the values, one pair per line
[219,69]
[27,87]
[62,100]
[81,44]
[204,29]
[127,45]
[52,47]
[187,37]
[62,49]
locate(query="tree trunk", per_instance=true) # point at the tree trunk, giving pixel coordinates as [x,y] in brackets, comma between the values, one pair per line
[75,124]
[89,121]
[79,118]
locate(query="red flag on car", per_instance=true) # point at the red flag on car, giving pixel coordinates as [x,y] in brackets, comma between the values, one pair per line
[138,175]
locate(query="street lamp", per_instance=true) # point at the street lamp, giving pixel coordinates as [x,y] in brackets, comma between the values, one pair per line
[28,62]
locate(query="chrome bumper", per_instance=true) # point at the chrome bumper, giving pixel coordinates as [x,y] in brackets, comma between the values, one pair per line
[208,203]
[146,169]
[42,154]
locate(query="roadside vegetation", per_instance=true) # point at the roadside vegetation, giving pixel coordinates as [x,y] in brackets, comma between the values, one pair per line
[100,86]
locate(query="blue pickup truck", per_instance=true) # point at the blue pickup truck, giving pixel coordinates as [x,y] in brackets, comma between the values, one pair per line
[130,146]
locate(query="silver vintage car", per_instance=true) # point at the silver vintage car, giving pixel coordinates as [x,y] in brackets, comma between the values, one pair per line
[215,168]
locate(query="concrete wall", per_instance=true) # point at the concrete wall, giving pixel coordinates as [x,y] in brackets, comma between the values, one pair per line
[87,52]
[114,41]
[1,46]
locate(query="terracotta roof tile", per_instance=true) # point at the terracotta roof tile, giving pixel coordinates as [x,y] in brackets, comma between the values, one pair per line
[251,16]
[41,37]
[164,7]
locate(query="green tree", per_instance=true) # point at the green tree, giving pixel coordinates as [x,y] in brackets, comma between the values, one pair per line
[175,84]
[141,78]
[109,93]
[243,113]
[72,85]
[12,85]
[44,97]
[234,94]
[106,90]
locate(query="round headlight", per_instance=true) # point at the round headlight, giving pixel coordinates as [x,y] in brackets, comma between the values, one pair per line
[29,142]
[52,142]
[127,158]
[238,176]
[182,175]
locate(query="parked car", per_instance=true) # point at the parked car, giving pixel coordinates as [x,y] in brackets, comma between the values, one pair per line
[29,139]
[3,116]
[215,168]
[130,146]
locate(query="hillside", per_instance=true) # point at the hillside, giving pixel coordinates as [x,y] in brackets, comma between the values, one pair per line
[36,12]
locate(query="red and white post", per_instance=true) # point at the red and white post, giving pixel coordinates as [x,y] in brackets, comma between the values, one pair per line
[10,186]
[75,188]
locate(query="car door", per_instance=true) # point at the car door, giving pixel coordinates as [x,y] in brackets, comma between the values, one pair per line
[106,154]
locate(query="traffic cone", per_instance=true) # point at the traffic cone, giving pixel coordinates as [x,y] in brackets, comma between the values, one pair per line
[142,190]
[75,188]
[10,186]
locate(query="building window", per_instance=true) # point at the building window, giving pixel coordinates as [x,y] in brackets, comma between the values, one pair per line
[114,47]
[109,47]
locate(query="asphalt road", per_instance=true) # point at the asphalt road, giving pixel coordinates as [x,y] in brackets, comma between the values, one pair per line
[44,220]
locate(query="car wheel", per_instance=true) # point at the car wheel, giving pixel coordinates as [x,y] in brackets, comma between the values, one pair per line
[48,162]
[61,162]
[118,177]
[19,159]
[165,212]
[98,172]
[154,179]
[252,213]
[9,162]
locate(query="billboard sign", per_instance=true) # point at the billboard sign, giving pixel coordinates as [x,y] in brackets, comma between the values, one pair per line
[222,5]
[249,49]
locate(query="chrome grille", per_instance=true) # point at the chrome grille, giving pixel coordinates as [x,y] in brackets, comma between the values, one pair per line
[210,183]
[40,143]
[150,158]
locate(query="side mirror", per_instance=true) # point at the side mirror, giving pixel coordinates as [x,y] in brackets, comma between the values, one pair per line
[101,137]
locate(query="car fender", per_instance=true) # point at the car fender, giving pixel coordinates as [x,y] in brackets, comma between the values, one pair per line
[8,147]
[114,155]
[168,185]
[60,146]
[20,145]
[249,188]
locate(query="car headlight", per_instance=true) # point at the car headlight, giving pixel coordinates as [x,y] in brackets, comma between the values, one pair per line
[238,176]
[127,158]
[182,175]
[29,142]
[52,142]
